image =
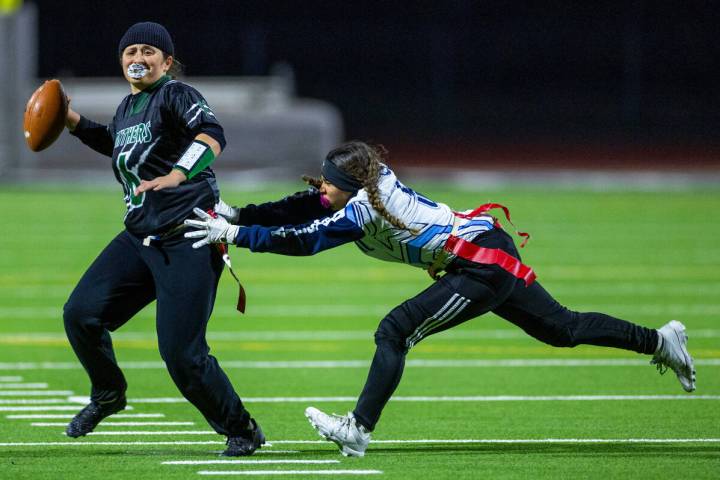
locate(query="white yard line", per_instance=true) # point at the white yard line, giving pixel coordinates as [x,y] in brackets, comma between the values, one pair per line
[290,472]
[416,363]
[79,443]
[154,432]
[23,385]
[379,310]
[553,440]
[41,416]
[245,462]
[36,401]
[110,423]
[10,379]
[45,408]
[35,393]
[450,398]
[309,335]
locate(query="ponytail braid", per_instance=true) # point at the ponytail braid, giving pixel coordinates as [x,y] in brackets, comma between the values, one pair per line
[365,166]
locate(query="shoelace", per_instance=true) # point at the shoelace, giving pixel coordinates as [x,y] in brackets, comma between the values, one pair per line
[661,367]
[344,422]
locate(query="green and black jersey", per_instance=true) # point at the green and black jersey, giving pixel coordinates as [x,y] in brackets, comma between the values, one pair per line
[148,134]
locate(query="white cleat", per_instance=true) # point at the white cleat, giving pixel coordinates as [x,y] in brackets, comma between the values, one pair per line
[673,354]
[352,438]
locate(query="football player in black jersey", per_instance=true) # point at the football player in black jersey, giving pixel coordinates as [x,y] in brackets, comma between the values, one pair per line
[162,141]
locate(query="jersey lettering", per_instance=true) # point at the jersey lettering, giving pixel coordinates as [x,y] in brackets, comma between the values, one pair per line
[139,133]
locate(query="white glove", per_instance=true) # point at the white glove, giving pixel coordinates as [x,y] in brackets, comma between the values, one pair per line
[232,214]
[210,230]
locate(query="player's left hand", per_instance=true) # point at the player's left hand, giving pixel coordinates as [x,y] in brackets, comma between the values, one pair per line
[171,180]
[231,214]
[210,230]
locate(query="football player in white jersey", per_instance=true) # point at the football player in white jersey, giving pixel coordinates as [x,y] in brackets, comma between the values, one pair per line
[359,199]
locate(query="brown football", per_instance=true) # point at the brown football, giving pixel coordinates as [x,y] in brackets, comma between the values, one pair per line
[45,115]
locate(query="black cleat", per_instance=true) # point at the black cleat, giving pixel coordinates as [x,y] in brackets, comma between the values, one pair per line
[246,443]
[88,418]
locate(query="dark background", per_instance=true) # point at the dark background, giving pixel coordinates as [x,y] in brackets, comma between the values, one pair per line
[450,73]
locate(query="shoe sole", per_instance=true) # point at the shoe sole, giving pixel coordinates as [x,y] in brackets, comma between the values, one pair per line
[67,433]
[681,337]
[344,450]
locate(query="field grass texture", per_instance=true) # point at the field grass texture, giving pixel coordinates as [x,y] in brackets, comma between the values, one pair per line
[482,400]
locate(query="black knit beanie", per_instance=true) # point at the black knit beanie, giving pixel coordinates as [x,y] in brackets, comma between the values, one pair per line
[149,33]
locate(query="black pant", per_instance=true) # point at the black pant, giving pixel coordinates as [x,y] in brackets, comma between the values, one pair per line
[126,277]
[469,290]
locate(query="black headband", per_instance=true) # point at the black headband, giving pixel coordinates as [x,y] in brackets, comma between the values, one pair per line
[342,180]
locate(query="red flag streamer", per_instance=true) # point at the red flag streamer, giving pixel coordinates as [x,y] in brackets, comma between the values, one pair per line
[489,206]
[223,250]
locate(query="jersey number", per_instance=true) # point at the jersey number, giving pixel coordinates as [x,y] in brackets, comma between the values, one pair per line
[420,198]
[130,180]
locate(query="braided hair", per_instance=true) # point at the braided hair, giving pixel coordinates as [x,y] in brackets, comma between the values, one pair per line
[362,161]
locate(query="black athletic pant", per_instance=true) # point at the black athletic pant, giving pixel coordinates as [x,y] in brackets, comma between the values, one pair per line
[126,277]
[468,290]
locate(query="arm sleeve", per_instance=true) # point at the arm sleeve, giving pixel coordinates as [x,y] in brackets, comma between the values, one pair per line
[299,240]
[94,135]
[295,209]
[194,114]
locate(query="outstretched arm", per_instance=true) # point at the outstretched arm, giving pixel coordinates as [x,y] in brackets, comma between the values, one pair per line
[297,240]
[301,207]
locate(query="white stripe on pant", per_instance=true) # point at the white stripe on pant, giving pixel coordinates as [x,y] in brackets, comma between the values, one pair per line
[447,312]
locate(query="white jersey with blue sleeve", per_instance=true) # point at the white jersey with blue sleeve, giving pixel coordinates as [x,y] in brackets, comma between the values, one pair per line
[433,221]
[359,222]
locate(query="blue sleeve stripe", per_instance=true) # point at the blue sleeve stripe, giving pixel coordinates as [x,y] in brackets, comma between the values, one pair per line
[474,223]
[350,213]
[414,247]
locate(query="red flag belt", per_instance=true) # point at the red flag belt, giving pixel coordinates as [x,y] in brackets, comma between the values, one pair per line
[491,256]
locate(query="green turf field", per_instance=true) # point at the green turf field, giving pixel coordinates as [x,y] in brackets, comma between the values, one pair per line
[479,401]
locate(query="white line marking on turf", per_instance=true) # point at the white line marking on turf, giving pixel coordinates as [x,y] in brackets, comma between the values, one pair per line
[290,472]
[245,462]
[123,444]
[264,450]
[79,443]
[110,423]
[23,385]
[46,408]
[155,432]
[516,362]
[34,393]
[521,440]
[448,398]
[379,310]
[11,379]
[40,416]
[35,401]
[310,335]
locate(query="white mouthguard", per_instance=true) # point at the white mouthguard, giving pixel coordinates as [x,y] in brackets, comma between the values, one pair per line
[136,71]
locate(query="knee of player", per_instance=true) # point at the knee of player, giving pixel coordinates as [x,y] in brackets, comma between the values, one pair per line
[178,357]
[76,313]
[386,336]
[561,337]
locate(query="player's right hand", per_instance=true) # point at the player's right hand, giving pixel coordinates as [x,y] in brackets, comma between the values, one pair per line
[210,230]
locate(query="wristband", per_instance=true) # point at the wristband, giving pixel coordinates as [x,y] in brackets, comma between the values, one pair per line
[196,158]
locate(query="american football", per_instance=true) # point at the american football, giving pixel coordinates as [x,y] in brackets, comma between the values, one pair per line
[45,115]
